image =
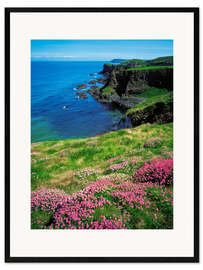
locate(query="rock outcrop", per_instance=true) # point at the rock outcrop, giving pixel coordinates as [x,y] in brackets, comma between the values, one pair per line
[81,86]
[82,95]
[92,81]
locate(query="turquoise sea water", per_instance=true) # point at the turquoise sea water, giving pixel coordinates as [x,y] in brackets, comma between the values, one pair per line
[52,88]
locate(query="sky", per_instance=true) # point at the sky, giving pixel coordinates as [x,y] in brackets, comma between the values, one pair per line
[72,50]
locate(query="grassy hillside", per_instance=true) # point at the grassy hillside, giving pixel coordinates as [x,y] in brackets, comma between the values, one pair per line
[105,164]
[157,107]
[161,60]
[66,164]
[139,64]
[152,96]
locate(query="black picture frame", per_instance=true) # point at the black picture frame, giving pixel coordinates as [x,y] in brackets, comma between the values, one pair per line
[8,257]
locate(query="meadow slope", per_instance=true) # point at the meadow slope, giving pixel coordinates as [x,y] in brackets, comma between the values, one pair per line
[102,171]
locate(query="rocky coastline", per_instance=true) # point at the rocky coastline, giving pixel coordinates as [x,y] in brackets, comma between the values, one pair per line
[125,85]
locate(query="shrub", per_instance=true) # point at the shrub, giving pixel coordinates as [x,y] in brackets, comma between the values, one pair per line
[158,171]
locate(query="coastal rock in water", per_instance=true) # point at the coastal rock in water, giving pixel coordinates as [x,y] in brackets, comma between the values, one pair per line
[94,87]
[82,95]
[102,80]
[94,91]
[81,86]
[92,81]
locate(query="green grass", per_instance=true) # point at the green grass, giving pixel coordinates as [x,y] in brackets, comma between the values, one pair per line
[108,90]
[153,95]
[161,60]
[40,218]
[153,92]
[150,68]
[157,63]
[139,61]
[108,64]
[106,211]
[54,164]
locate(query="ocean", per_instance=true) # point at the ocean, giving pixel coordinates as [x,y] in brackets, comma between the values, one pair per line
[53,87]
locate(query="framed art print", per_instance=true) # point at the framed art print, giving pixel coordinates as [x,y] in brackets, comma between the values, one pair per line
[102,134]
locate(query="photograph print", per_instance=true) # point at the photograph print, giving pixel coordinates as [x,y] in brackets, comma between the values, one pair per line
[101,134]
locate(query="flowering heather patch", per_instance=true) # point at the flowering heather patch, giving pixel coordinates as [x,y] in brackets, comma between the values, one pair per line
[47,199]
[119,166]
[105,204]
[158,171]
[44,203]
[78,213]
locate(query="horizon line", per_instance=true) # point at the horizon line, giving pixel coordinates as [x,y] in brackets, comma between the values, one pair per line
[63,58]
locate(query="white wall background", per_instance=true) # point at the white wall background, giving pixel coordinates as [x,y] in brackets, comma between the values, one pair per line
[78,3]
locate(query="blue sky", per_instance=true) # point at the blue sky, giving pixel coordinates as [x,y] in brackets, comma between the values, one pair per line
[99,49]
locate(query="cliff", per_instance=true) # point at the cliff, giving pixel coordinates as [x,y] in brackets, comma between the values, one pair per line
[124,86]
[136,80]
